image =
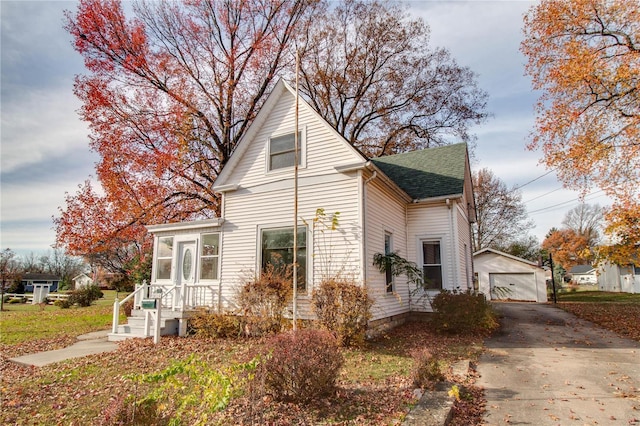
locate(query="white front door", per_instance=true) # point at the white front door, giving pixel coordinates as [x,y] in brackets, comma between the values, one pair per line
[187,262]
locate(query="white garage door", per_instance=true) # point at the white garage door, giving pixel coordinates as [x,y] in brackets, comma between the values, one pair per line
[513,286]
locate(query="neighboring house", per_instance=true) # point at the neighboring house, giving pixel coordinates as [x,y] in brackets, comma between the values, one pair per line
[82,280]
[584,275]
[418,205]
[625,279]
[30,281]
[503,276]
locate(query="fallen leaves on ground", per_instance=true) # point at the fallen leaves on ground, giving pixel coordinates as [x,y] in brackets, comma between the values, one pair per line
[621,318]
[77,391]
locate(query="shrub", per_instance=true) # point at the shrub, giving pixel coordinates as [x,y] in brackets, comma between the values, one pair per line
[62,303]
[304,365]
[264,300]
[212,324]
[17,300]
[461,313]
[85,296]
[127,307]
[426,369]
[343,308]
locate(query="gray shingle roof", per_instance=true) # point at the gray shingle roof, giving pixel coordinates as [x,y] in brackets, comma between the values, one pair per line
[431,172]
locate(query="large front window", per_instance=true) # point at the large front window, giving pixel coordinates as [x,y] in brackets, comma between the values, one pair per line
[209,256]
[432,264]
[277,251]
[165,255]
[282,151]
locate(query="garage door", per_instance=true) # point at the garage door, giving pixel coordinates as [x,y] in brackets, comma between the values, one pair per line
[513,286]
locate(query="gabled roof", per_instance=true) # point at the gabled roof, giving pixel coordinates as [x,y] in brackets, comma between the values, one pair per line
[281,87]
[507,255]
[582,269]
[428,173]
[40,277]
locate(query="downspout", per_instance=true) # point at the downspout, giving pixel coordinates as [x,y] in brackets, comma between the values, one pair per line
[364,223]
[454,243]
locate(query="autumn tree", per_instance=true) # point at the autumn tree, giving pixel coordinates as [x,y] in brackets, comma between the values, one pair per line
[369,70]
[585,220]
[501,215]
[168,95]
[568,248]
[584,56]
[171,90]
[525,247]
[8,267]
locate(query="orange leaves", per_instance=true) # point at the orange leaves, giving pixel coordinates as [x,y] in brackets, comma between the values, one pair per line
[584,56]
[568,248]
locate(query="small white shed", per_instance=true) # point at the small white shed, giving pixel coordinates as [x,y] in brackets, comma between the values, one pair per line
[82,280]
[503,276]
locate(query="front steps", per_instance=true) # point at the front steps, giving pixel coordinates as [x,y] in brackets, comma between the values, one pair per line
[169,325]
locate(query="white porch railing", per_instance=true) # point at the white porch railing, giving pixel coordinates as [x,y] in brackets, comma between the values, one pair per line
[173,297]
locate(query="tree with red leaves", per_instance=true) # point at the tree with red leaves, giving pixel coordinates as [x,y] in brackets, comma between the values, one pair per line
[172,87]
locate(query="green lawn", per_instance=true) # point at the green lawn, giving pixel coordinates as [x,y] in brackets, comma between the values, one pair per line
[598,296]
[23,322]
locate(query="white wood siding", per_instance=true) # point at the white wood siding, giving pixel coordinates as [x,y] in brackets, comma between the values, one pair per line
[384,212]
[265,199]
[465,255]
[432,222]
[489,263]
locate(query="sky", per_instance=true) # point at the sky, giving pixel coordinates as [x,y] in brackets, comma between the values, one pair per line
[44,146]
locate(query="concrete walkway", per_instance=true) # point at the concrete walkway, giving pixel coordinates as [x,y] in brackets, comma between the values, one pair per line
[546,367]
[87,344]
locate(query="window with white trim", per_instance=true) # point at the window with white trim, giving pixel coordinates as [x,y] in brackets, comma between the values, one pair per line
[277,251]
[164,258]
[432,264]
[209,256]
[282,151]
[388,249]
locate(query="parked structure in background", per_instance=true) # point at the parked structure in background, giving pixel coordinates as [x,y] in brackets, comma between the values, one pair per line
[502,276]
[584,275]
[31,281]
[82,280]
[624,279]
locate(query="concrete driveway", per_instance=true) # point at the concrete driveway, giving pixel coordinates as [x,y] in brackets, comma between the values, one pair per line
[546,367]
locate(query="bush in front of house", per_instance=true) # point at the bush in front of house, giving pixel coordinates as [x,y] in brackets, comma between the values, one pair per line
[303,365]
[343,308]
[205,323]
[426,371]
[263,301]
[62,303]
[462,312]
[85,296]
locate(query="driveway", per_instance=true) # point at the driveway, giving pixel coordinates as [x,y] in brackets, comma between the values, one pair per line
[547,367]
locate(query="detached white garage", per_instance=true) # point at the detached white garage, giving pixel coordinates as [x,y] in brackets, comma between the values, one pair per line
[503,276]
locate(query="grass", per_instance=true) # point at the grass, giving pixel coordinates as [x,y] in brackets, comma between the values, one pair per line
[598,297]
[23,322]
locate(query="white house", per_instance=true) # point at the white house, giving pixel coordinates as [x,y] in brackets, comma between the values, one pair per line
[81,280]
[584,275]
[503,276]
[625,279]
[418,205]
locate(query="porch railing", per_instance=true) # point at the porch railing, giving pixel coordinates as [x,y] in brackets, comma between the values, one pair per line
[172,297]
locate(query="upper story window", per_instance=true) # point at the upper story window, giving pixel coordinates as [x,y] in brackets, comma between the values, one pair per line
[282,151]
[209,256]
[164,258]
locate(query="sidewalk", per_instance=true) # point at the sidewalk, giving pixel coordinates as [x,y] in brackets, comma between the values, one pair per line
[87,344]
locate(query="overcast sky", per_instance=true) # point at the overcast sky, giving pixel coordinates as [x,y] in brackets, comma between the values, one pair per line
[44,145]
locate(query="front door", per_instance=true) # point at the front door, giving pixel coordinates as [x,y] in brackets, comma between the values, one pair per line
[186,262]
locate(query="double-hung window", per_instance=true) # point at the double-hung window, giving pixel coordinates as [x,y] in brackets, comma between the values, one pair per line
[164,258]
[388,249]
[277,252]
[209,256]
[282,151]
[432,264]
